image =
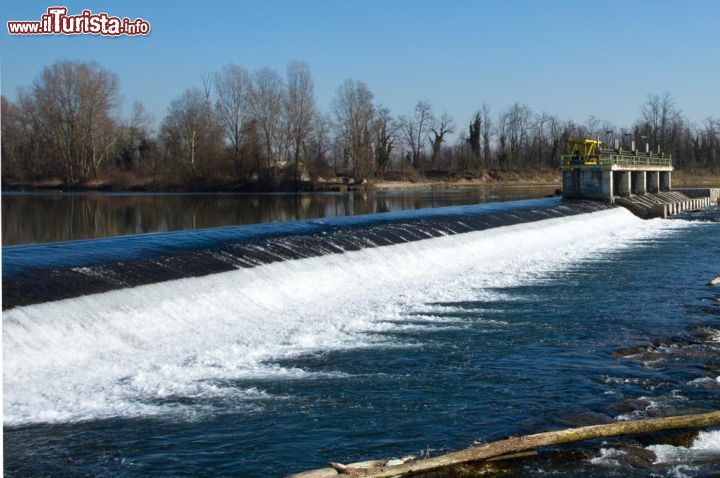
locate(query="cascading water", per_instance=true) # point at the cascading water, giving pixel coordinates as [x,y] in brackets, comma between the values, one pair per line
[196,345]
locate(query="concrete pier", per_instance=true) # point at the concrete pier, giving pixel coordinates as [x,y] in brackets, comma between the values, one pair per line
[665,181]
[653,181]
[642,182]
[608,174]
[586,183]
[639,182]
[624,182]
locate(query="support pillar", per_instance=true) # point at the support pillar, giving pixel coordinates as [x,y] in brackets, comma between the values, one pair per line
[653,181]
[570,184]
[607,185]
[624,183]
[665,181]
[639,182]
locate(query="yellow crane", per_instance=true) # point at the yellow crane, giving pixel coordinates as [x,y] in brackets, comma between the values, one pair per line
[584,151]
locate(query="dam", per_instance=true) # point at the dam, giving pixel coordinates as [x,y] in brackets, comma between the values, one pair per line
[641,181]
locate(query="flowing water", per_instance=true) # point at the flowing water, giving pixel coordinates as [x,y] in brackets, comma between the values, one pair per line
[263,350]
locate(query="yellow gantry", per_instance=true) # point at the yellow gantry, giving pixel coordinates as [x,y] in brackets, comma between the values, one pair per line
[584,151]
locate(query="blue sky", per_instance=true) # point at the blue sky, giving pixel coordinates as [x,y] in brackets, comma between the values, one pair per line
[570,58]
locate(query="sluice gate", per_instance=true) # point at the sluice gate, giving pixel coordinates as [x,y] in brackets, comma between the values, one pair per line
[639,181]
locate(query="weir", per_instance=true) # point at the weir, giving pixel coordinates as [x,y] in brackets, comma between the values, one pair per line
[47,272]
[639,181]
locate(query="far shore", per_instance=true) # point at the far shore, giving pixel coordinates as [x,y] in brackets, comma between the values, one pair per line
[484,179]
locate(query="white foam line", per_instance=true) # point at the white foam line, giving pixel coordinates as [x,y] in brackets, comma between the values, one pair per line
[119,352]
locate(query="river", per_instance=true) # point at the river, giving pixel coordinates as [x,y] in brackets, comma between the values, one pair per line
[52,216]
[260,350]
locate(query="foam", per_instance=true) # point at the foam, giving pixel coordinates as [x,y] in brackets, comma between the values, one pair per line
[706,445]
[124,352]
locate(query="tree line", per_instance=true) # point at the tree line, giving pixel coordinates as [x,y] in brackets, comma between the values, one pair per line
[264,130]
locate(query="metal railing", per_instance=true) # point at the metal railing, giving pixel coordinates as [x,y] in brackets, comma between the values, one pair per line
[615,159]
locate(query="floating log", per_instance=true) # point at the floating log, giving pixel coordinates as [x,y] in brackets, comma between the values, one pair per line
[515,445]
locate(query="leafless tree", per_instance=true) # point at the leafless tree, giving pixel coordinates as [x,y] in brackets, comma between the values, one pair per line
[78,103]
[354,115]
[266,97]
[385,137]
[440,130]
[487,133]
[187,131]
[513,124]
[415,130]
[231,87]
[660,114]
[300,109]
[320,141]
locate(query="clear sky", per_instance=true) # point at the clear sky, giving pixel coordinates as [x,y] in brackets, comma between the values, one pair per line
[570,58]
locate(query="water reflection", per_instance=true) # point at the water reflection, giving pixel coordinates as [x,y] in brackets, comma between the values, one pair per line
[49,217]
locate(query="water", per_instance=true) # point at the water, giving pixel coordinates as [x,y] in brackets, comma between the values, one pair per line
[50,217]
[471,334]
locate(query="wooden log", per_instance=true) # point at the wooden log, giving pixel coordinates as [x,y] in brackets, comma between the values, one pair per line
[531,442]
[513,456]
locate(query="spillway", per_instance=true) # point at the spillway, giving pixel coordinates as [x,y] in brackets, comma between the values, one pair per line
[46,272]
[147,347]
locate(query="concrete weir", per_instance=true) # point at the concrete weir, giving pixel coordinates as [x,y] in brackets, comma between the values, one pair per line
[662,205]
[641,182]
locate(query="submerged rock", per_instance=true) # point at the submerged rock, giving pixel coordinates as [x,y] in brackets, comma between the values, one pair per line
[638,457]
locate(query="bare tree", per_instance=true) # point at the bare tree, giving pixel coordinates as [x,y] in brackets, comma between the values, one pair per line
[513,125]
[354,115]
[320,141]
[439,131]
[385,137]
[77,102]
[231,86]
[266,103]
[187,131]
[487,133]
[134,138]
[660,114]
[300,109]
[12,144]
[415,130]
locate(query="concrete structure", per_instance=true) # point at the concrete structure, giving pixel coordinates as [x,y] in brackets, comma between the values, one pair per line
[653,181]
[699,193]
[641,182]
[665,181]
[664,204]
[608,174]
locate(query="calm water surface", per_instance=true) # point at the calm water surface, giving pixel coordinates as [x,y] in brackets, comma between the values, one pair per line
[50,217]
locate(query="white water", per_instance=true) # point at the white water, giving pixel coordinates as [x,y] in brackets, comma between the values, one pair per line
[705,445]
[684,462]
[136,351]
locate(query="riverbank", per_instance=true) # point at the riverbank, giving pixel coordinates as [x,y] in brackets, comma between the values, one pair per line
[391,181]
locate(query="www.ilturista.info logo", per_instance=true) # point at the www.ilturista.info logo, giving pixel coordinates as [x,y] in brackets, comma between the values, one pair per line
[57,22]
